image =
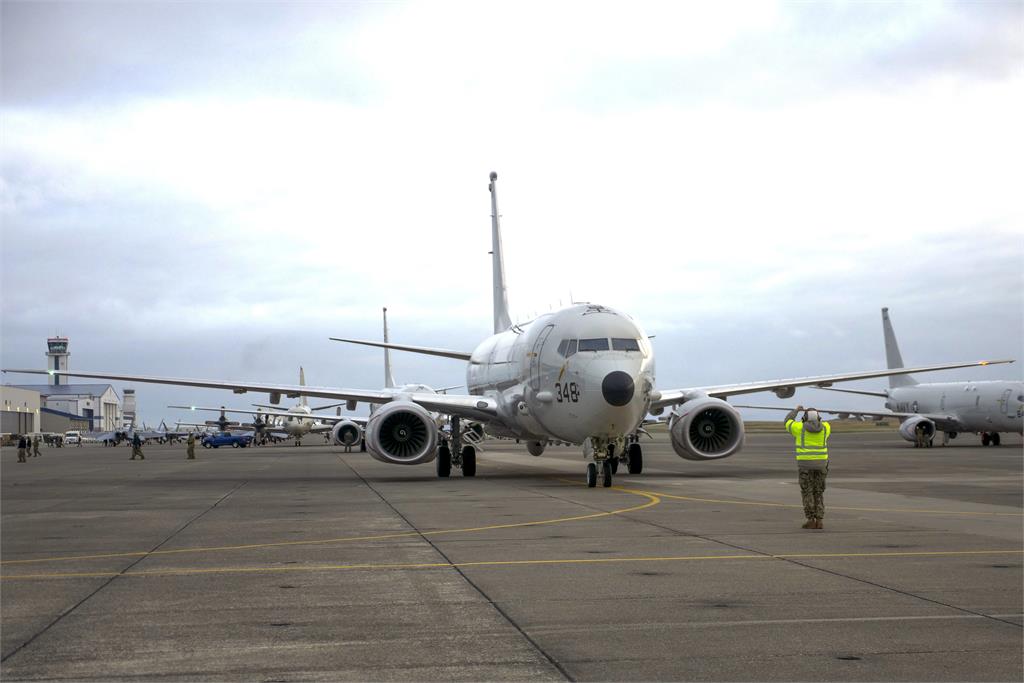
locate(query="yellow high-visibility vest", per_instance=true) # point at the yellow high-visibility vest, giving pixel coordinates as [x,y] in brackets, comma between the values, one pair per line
[810,445]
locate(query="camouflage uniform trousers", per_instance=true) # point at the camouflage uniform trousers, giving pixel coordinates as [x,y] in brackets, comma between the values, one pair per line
[812,491]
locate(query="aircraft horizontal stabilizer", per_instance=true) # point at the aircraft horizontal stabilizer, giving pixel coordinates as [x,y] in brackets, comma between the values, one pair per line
[879,394]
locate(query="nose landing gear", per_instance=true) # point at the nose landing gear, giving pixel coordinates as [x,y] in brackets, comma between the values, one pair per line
[606,458]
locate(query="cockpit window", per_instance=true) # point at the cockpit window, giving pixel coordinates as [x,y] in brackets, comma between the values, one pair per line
[625,345]
[567,347]
[594,344]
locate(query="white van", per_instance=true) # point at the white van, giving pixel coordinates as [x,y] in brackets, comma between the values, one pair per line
[72,436]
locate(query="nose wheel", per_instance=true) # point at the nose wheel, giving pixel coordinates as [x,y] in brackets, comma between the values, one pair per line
[591,475]
[444,461]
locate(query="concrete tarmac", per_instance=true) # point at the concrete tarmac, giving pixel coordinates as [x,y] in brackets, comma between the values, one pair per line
[285,563]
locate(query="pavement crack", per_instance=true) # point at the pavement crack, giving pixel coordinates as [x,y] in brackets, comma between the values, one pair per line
[497,608]
[124,570]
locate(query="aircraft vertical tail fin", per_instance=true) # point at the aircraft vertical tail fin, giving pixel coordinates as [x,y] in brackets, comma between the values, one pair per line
[389,379]
[302,383]
[502,321]
[892,354]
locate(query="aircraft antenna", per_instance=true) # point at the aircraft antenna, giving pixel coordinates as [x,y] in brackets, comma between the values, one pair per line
[502,321]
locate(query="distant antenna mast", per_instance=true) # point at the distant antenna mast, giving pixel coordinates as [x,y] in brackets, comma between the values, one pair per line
[502,321]
[389,381]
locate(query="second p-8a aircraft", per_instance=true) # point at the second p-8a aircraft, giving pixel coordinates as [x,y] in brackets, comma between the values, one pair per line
[582,375]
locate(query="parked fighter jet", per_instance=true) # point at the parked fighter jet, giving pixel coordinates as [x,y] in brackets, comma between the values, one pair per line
[583,375]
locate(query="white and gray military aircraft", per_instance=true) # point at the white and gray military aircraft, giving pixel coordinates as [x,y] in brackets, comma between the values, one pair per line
[583,375]
[986,407]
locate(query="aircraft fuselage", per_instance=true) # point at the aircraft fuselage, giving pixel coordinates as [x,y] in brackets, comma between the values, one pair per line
[990,406]
[581,372]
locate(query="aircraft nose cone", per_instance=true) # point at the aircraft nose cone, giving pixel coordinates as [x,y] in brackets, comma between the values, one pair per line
[618,388]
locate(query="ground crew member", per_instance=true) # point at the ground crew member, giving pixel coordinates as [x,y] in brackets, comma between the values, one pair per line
[190,445]
[35,447]
[137,447]
[811,436]
[22,445]
[920,438]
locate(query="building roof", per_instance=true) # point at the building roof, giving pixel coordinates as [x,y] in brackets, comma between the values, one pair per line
[65,389]
[70,416]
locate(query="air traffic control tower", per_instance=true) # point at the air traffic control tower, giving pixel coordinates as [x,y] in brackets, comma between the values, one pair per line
[57,356]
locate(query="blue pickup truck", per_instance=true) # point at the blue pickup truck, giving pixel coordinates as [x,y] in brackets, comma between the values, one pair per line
[226,439]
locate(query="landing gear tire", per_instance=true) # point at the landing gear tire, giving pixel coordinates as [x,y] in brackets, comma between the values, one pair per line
[606,478]
[591,475]
[985,439]
[468,461]
[444,462]
[615,465]
[362,445]
[995,439]
[636,458]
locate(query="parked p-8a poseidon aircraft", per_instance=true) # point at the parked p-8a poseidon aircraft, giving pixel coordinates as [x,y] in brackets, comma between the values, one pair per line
[583,375]
[983,407]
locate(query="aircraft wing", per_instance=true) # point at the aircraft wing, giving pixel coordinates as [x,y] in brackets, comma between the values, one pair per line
[949,421]
[785,386]
[289,390]
[472,407]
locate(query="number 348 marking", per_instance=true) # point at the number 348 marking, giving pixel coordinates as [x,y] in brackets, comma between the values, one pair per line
[567,392]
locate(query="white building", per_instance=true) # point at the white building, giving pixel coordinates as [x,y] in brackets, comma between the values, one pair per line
[19,410]
[98,403]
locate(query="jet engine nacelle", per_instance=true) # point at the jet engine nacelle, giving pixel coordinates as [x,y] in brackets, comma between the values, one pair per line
[909,426]
[706,429]
[401,433]
[346,433]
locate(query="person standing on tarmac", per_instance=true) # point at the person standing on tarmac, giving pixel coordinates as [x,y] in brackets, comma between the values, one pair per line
[190,446]
[35,447]
[811,436]
[137,447]
[22,445]
[920,438]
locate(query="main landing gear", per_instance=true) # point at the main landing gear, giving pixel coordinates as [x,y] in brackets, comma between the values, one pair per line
[990,438]
[463,457]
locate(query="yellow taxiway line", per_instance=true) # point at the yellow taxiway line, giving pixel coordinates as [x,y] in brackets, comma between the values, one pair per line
[185,571]
[829,507]
[652,500]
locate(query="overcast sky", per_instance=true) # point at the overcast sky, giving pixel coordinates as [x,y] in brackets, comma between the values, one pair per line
[212,189]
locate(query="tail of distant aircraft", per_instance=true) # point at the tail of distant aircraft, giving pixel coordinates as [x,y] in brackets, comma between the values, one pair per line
[502,321]
[892,354]
[302,383]
[389,380]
